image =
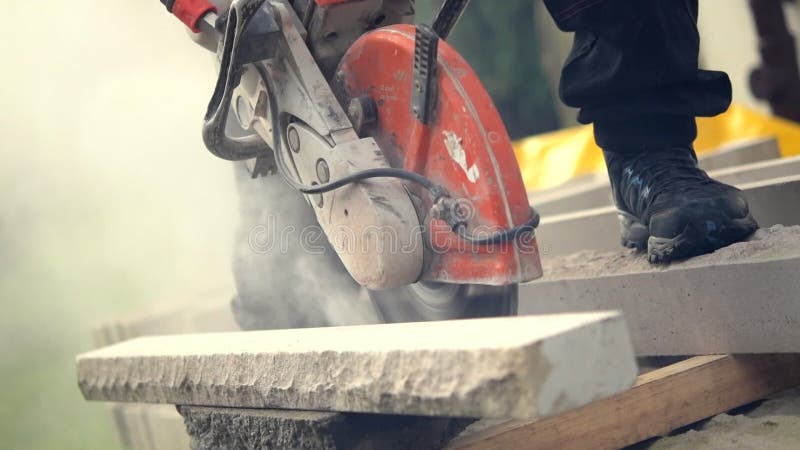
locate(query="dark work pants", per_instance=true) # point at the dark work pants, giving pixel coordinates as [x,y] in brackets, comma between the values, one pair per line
[633,71]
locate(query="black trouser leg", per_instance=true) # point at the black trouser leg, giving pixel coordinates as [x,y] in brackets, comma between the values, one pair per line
[633,71]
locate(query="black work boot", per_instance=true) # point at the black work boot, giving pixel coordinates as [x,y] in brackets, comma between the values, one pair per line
[672,208]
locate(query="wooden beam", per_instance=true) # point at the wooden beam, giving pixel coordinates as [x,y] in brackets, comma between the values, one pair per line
[659,402]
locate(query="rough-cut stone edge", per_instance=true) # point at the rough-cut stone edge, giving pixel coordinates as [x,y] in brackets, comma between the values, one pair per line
[526,381]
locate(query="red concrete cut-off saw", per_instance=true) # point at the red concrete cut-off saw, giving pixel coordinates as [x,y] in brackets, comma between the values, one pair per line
[388,133]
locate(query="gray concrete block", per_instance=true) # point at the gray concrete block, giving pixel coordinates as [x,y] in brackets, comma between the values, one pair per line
[157,427]
[587,196]
[578,182]
[520,367]
[739,163]
[160,427]
[213,313]
[776,201]
[744,298]
[593,229]
[758,171]
[256,429]
[740,153]
[772,202]
[207,314]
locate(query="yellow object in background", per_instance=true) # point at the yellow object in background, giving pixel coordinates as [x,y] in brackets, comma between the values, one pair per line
[550,159]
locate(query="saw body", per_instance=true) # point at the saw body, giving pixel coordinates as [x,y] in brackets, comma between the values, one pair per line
[389,134]
[463,147]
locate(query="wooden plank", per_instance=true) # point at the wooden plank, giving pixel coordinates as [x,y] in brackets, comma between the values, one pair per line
[660,402]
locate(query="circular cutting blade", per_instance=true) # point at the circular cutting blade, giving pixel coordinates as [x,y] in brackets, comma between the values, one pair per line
[429,301]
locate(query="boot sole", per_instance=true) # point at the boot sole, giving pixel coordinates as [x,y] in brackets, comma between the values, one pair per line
[700,236]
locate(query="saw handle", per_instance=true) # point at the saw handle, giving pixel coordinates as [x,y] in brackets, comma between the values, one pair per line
[189,11]
[447,17]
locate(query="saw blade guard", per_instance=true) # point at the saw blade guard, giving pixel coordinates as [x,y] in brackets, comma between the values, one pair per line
[462,145]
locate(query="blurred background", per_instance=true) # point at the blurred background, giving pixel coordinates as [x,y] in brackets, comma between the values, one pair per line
[111,205]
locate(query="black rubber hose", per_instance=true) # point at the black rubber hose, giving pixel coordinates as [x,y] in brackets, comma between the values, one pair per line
[504,236]
[215,120]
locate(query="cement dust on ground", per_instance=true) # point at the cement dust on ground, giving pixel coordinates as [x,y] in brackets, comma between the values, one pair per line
[774,425]
[772,243]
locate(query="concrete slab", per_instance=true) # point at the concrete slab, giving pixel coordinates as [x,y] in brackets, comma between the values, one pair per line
[758,171]
[578,182]
[160,427]
[740,299]
[521,367]
[578,198]
[776,201]
[157,427]
[592,229]
[772,202]
[206,315]
[231,428]
[740,153]
[740,163]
